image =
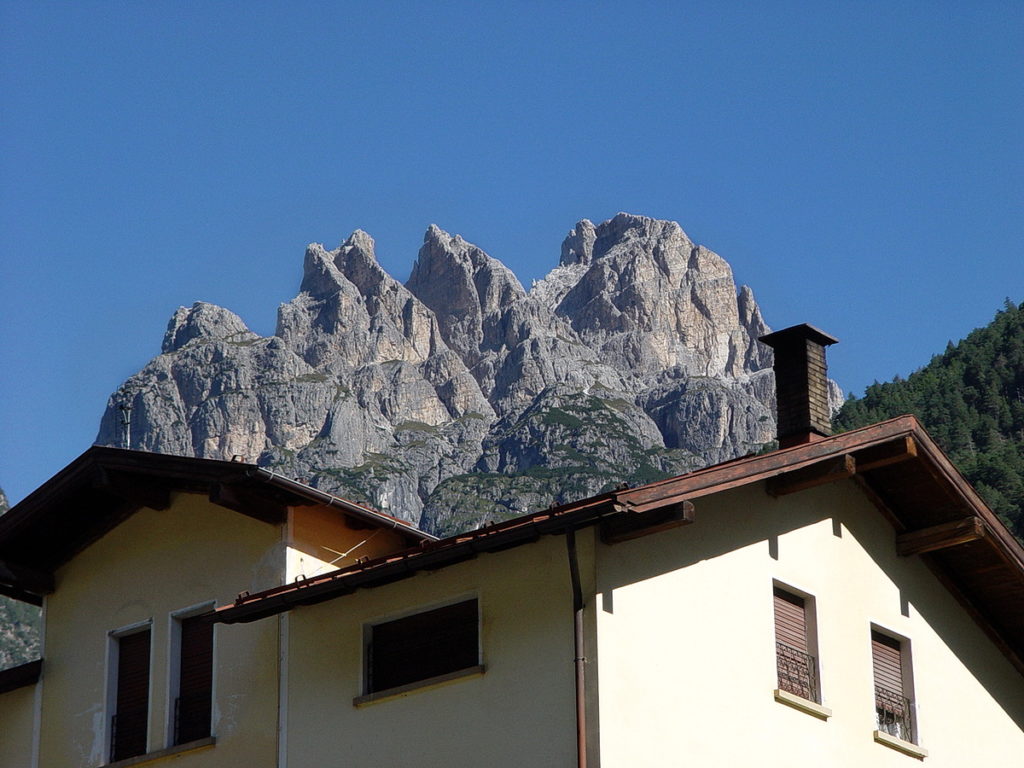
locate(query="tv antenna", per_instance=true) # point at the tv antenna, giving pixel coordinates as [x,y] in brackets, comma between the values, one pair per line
[126,422]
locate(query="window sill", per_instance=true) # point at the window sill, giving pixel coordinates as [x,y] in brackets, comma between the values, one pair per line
[804,705]
[430,682]
[160,754]
[900,745]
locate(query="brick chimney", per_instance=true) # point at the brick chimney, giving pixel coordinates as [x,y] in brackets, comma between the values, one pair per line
[801,384]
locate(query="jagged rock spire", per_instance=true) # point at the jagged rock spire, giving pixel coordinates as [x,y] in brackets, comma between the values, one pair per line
[460,397]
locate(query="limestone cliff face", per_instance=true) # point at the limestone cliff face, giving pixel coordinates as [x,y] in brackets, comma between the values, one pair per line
[460,397]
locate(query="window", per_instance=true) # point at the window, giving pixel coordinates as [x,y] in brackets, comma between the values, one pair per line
[193,692]
[129,725]
[422,646]
[794,647]
[893,705]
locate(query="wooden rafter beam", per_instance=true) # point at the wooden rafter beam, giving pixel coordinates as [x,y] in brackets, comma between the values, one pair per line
[24,579]
[823,472]
[13,678]
[883,455]
[940,536]
[22,595]
[630,525]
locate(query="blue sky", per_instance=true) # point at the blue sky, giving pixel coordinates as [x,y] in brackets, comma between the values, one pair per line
[860,165]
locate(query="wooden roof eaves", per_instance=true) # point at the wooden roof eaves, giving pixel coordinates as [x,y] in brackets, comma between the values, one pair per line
[428,556]
[133,479]
[20,676]
[88,466]
[757,468]
[997,534]
[751,469]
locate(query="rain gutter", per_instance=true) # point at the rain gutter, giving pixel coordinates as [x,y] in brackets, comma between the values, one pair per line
[579,660]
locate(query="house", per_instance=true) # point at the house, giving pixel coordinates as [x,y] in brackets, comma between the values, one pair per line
[845,600]
[126,549]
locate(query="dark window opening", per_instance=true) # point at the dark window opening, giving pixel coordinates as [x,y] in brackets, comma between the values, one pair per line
[423,646]
[129,728]
[192,708]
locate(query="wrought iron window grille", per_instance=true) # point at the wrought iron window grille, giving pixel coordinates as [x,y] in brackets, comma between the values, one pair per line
[798,672]
[893,714]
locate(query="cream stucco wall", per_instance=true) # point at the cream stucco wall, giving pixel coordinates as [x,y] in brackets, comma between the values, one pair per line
[686,642]
[17,713]
[519,713]
[155,563]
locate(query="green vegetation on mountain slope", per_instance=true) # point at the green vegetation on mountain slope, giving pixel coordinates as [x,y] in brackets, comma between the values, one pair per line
[971,400]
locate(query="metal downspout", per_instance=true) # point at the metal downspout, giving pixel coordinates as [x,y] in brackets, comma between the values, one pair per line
[578,657]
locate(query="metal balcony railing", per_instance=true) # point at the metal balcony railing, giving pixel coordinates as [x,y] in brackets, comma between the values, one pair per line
[893,714]
[798,672]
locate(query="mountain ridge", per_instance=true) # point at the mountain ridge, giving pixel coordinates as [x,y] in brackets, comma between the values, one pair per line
[635,358]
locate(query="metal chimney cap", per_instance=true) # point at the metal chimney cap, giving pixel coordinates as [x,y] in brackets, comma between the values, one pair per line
[798,332]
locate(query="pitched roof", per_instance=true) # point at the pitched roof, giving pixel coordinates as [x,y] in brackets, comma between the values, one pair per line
[104,486]
[933,509]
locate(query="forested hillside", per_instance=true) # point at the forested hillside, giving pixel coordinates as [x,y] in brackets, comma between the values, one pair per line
[971,400]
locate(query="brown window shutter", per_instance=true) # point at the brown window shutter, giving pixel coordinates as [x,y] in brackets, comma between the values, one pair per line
[790,620]
[797,669]
[131,717]
[195,682]
[886,657]
[423,645]
[893,711]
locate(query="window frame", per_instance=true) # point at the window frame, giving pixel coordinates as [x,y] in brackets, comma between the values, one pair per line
[114,638]
[173,687]
[811,650]
[370,692]
[905,647]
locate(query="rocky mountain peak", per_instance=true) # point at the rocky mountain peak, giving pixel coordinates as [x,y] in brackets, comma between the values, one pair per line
[652,300]
[458,397]
[361,240]
[467,290]
[578,246]
[356,259]
[320,276]
[202,320]
[628,237]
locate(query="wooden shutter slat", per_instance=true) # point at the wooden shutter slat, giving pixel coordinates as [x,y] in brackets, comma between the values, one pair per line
[887,662]
[132,700]
[195,680]
[790,620]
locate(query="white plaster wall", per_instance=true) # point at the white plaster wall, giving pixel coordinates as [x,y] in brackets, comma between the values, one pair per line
[686,643]
[152,564]
[519,713]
